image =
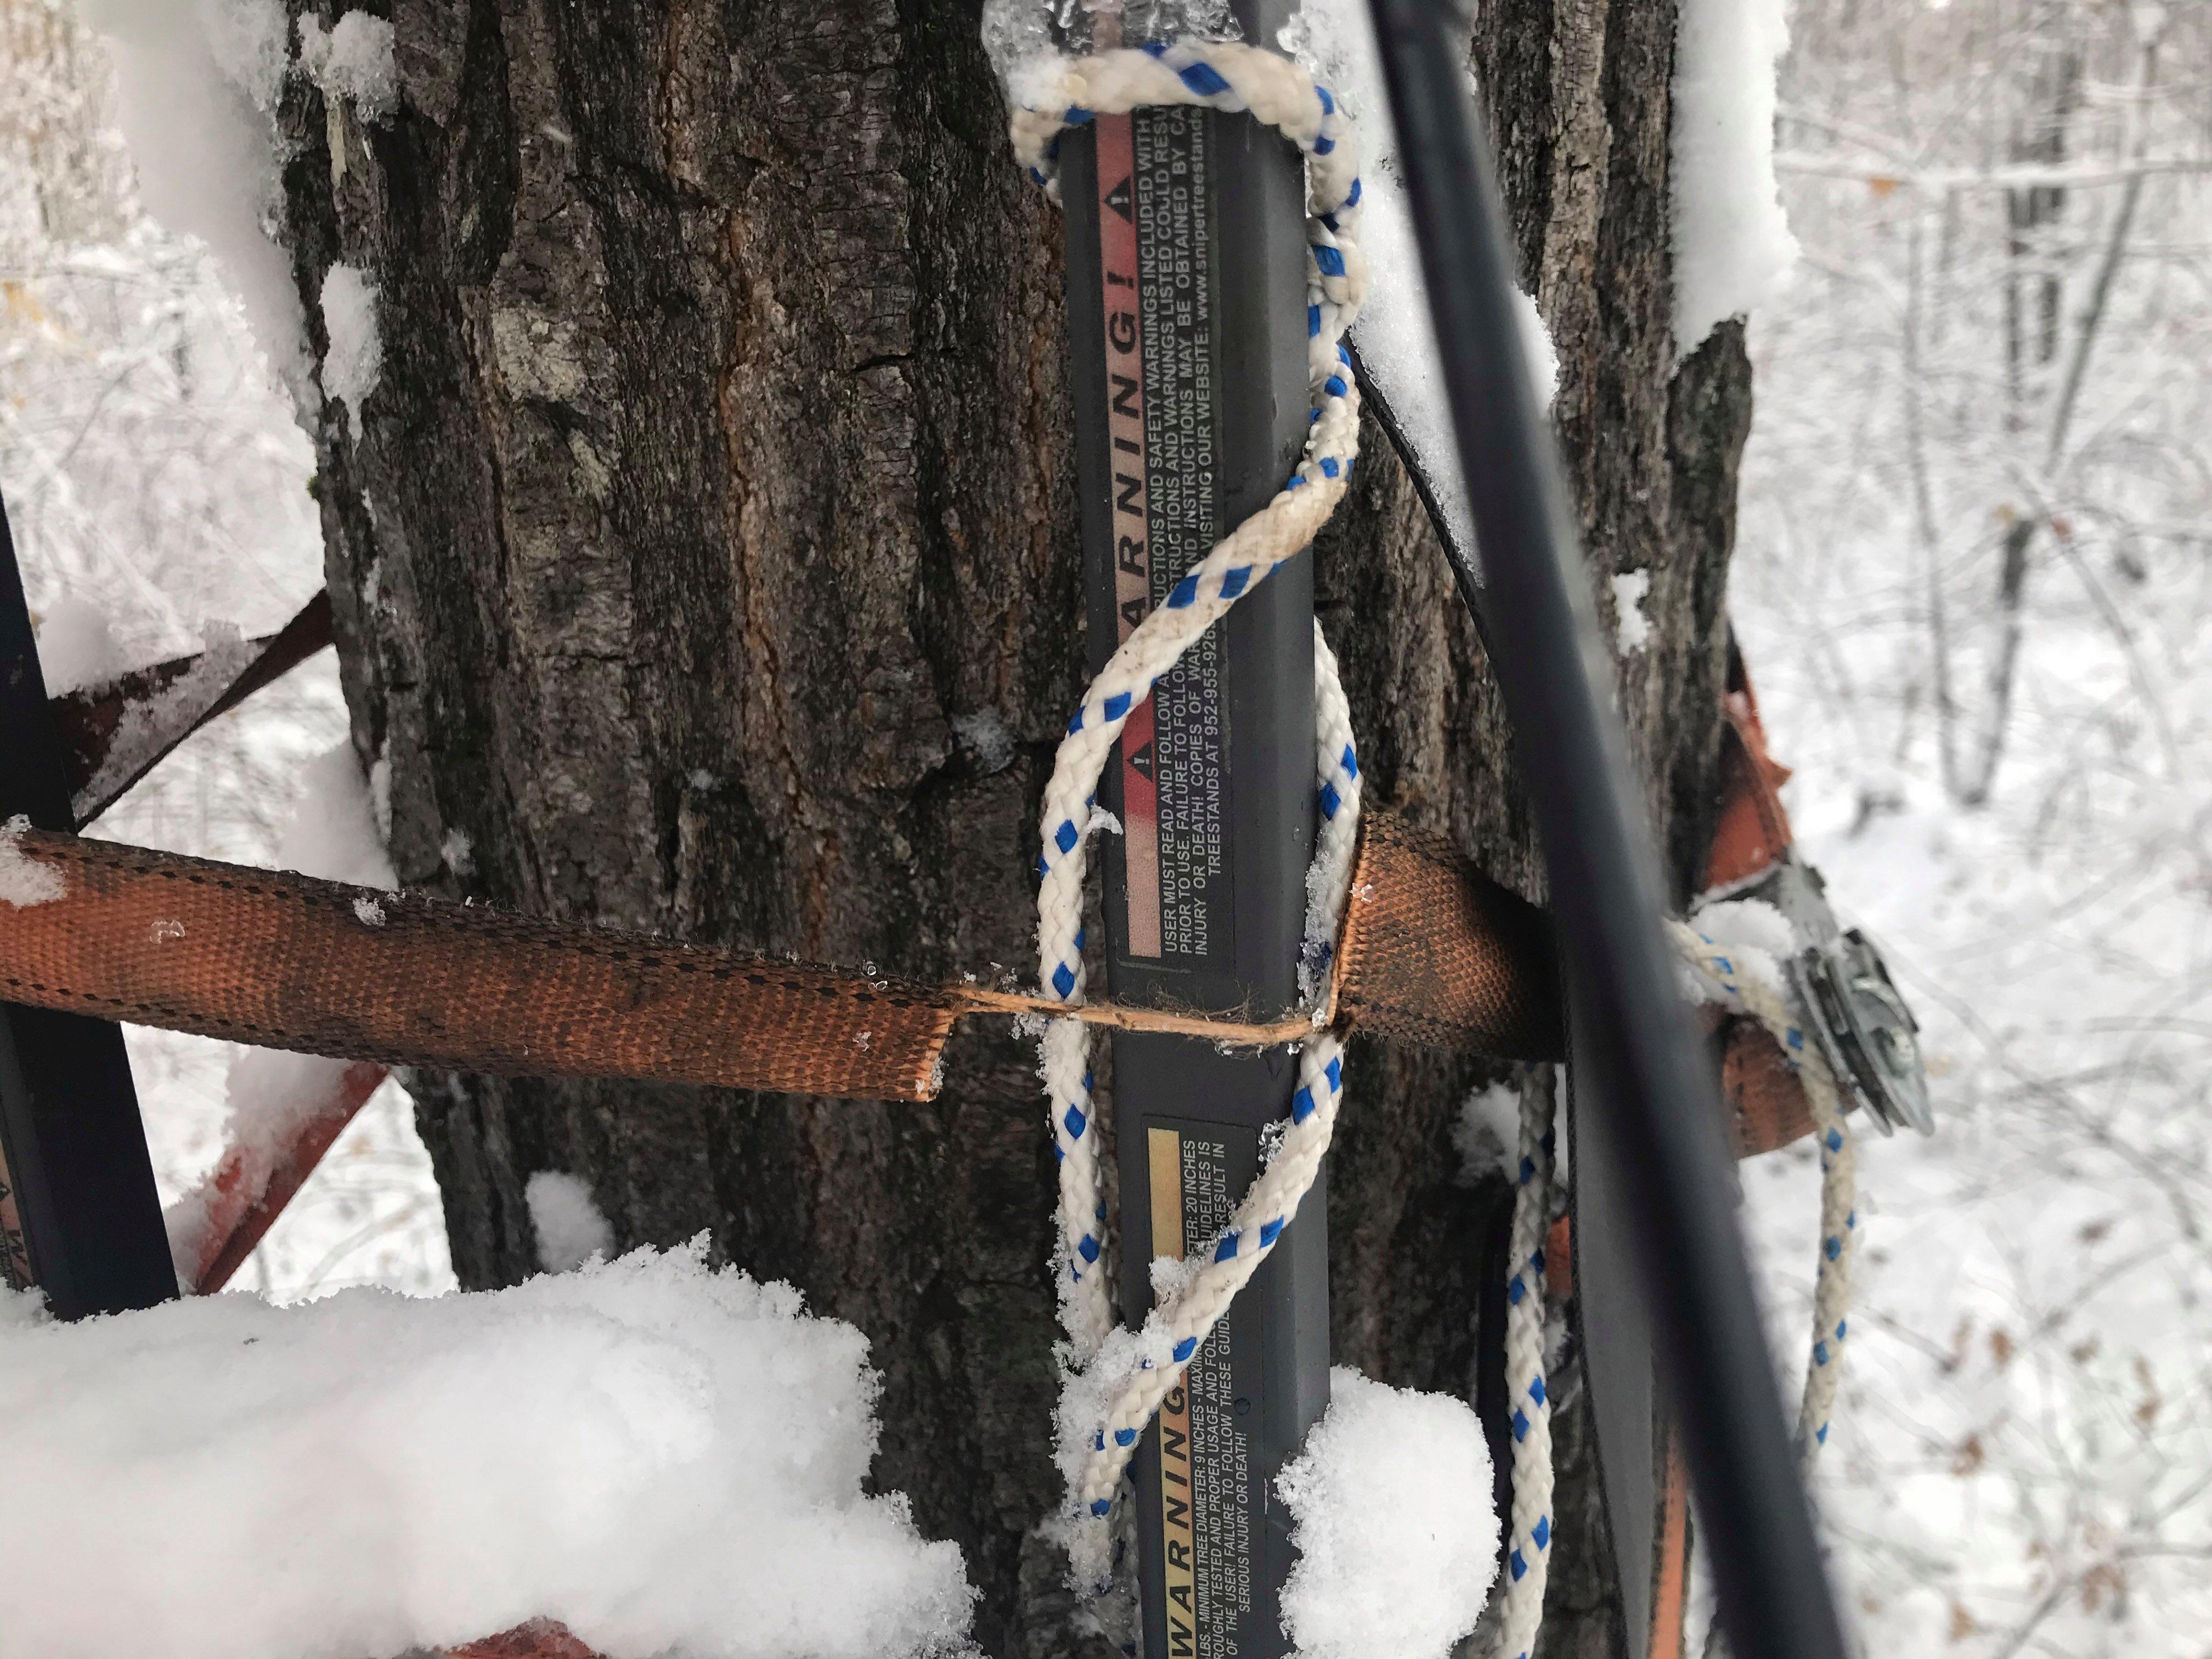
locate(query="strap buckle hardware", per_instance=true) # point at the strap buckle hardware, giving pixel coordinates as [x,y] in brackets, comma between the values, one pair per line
[1862,1023]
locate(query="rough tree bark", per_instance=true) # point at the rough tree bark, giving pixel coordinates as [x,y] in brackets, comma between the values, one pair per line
[706,562]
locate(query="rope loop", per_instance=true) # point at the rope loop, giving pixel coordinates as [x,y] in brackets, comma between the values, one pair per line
[1751,995]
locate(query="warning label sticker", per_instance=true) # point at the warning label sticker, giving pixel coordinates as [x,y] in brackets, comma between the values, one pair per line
[1206,1458]
[1157,244]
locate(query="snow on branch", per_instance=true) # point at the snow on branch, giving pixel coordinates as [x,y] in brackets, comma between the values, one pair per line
[2024,175]
[197,85]
[659,1455]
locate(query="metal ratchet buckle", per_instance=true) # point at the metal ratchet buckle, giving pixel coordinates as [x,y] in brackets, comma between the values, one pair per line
[1864,1026]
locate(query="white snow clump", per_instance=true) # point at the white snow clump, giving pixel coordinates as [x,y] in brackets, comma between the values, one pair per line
[661,1456]
[196,84]
[1630,589]
[570,1227]
[248,41]
[1733,249]
[353,61]
[1758,939]
[985,734]
[333,834]
[271,1097]
[76,647]
[1397,1542]
[1487,1135]
[24,882]
[355,363]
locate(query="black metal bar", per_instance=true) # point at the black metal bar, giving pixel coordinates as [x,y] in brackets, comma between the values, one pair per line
[87,720]
[1187,348]
[1656,1094]
[78,1176]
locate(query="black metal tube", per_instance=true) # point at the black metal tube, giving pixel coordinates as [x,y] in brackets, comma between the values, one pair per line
[1641,1063]
[1187,363]
[72,1148]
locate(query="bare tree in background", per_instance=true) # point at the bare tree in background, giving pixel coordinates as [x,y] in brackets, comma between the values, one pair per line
[2021,1456]
[2028,144]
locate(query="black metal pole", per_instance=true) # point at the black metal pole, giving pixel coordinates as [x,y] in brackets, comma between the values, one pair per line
[78,1207]
[1641,1062]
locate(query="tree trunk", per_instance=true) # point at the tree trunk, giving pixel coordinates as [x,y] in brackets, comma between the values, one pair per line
[707,562]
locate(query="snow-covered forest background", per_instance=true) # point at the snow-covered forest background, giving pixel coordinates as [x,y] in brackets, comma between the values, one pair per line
[1974,582]
[156,480]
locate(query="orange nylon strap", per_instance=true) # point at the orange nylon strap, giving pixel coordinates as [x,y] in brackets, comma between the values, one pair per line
[1433,954]
[280,960]
[1753,831]
[1670,1577]
[1436,954]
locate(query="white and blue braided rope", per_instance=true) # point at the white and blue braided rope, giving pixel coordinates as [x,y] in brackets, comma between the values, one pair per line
[1529,1540]
[1839,1220]
[1232,77]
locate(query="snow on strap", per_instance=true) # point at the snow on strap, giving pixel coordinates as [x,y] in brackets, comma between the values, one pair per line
[25,882]
[660,1456]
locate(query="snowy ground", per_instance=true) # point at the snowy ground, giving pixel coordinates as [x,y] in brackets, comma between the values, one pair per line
[2022,1453]
[665,1457]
